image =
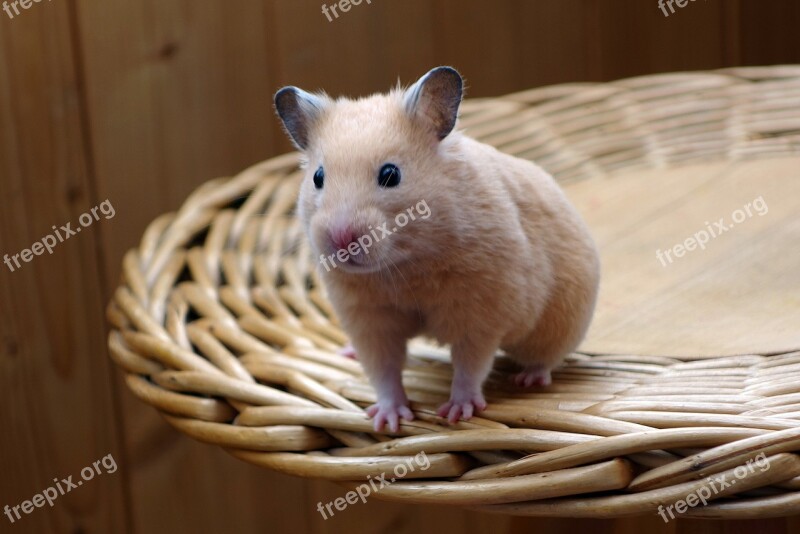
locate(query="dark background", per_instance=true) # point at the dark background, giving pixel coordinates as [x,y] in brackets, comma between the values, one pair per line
[139,102]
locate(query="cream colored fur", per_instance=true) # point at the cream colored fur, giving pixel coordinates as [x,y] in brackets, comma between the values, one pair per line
[503,261]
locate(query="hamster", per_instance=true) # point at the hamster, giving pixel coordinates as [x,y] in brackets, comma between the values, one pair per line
[502,261]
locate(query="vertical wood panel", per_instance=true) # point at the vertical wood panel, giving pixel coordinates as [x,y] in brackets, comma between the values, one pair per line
[635,38]
[180,92]
[556,42]
[732,49]
[515,45]
[57,409]
[490,63]
[769,32]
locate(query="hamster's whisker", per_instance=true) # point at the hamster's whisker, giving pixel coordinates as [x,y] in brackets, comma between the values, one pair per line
[400,272]
[391,278]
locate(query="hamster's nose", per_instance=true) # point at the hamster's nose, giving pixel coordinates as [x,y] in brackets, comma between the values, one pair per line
[342,236]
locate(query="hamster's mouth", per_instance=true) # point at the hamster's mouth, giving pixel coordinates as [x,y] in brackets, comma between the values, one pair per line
[375,264]
[355,268]
[358,265]
[355,264]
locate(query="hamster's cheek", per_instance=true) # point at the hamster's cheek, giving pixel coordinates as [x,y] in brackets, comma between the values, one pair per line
[316,199]
[318,236]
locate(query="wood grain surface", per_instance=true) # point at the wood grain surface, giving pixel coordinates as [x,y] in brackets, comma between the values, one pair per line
[733,291]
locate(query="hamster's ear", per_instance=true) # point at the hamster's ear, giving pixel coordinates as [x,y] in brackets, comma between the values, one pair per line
[435,99]
[299,111]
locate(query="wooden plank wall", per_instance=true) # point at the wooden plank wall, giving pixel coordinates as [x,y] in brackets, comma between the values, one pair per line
[139,103]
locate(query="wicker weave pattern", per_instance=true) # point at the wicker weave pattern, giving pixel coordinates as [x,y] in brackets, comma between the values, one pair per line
[221,324]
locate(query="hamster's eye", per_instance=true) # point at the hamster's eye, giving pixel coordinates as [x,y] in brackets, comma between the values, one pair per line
[389,176]
[319,178]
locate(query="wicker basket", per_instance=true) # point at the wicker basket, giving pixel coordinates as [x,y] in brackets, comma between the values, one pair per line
[222,325]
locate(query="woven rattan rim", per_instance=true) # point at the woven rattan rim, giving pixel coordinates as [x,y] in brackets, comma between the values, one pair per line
[221,325]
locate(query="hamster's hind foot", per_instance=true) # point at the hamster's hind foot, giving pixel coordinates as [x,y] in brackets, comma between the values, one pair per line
[389,413]
[461,406]
[533,375]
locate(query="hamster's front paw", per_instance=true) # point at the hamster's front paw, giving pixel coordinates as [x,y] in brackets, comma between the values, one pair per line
[462,405]
[389,411]
[533,375]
